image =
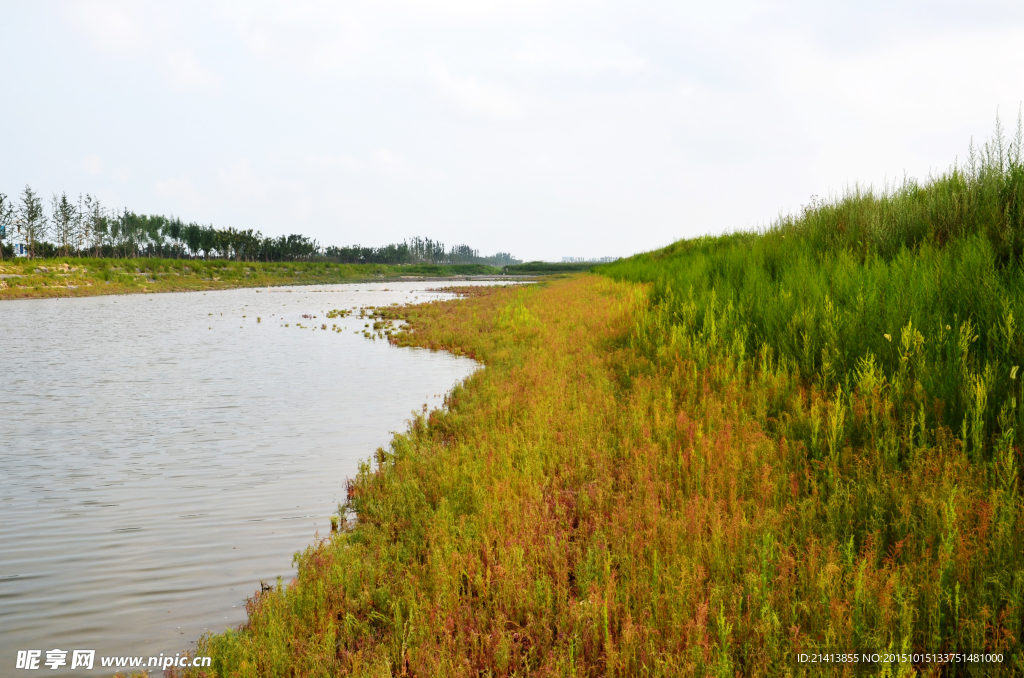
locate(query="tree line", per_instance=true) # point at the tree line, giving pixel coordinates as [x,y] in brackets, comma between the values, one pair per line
[416,251]
[86,228]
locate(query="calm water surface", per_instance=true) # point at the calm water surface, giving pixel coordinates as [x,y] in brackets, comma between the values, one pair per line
[162,454]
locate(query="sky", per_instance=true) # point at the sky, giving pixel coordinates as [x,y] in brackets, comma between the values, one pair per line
[544,129]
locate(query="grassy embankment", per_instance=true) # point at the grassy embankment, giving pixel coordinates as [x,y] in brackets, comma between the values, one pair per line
[71,277]
[741,448]
[548,268]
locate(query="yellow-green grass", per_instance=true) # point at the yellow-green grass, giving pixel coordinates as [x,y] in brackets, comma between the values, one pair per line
[77,277]
[610,497]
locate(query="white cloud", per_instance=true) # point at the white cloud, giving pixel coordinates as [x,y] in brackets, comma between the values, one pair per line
[93,164]
[186,74]
[346,163]
[586,58]
[179,189]
[309,35]
[473,96]
[109,24]
[389,161]
[472,10]
[242,181]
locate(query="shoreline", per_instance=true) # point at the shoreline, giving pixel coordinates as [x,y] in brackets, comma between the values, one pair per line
[371,574]
[71,278]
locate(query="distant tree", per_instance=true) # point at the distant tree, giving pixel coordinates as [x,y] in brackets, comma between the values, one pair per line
[207,240]
[31,221]
[79,225]
[45,250]
[501,259]
[426,251]
[463,254]
[95,224]
[152,234]
[129,230]
[416,251]
[223,238]
[114,233]
[193,236]
[86,225]
[63,216]
[173,230]
[6,220]
[247,244]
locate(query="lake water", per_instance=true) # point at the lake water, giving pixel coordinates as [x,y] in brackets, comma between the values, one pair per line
[162,454]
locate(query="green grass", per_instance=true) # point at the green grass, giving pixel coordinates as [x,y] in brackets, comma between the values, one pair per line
[547,268]
[444,270]
[922,285]
[611,497]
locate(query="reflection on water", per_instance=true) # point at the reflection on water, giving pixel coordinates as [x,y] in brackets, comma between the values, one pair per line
[162,454]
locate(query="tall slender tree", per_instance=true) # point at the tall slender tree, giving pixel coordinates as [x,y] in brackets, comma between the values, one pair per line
[173,229]
[128,228]
[114,233]
[193,236]
[63,216]
[94,223]
[6,221]
[207,240]
[31,221]
[81,232]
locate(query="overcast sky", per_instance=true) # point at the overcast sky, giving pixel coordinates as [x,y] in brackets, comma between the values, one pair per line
[546,129]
